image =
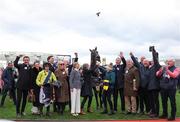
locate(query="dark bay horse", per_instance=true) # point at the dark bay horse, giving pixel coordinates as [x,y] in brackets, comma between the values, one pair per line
[97,76]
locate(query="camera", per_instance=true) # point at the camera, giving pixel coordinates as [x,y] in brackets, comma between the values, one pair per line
[151,49]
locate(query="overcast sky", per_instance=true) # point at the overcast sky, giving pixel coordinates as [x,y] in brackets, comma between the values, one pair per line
[67,26]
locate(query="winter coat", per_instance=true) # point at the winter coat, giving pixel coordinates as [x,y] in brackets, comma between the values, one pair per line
[110,75]
[24,79]
[86,89]
[34,74]
[119,74]
[8,77]
[144,73]
[62,93]
[75,79]
[153,83]
[131,82]
[35,87]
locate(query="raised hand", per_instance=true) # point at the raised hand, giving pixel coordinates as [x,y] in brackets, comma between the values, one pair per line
[21,55]
[121,54]
[131,54]
[76,54]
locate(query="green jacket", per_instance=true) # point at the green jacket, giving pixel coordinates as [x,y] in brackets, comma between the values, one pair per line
[111,77]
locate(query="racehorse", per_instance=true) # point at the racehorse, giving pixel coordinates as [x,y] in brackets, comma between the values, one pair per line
[97,76]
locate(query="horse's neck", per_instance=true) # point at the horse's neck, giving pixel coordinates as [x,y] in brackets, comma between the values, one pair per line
[93,62]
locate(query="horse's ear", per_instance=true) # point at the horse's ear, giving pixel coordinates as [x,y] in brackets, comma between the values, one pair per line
[90,50]
[95,48]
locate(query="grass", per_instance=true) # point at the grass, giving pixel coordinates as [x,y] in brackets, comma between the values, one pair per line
[8,112]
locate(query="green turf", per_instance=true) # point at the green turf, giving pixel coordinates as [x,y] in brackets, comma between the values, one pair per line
[8,112]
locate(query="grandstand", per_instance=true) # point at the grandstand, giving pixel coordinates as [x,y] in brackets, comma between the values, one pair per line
[10,56]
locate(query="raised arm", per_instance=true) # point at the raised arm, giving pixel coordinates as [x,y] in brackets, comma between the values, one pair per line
[16,62]
[155,59]
[136,63]
[76,57]
[123,60]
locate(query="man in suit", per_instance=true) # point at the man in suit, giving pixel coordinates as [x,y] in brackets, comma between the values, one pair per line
[23,83]
[119,81]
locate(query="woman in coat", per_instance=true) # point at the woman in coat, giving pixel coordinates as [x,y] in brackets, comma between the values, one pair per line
[86,90]
[36,89]
[62,93]
[75,86]
[131,86]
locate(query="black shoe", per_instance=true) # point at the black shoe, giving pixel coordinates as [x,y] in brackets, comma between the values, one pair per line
[163,116]
[171,119]
[104,112]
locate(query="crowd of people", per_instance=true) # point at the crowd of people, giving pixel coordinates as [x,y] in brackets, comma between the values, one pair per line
[138,84]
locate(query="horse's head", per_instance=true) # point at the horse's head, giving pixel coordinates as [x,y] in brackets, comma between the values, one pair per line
[95,55]
[94,58]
